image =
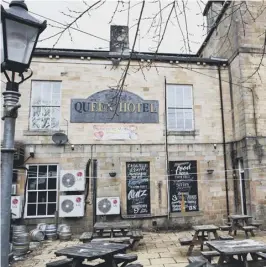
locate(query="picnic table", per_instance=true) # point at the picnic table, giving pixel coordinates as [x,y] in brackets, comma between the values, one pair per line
[240,248]
[89,252]
[115,228]
[239,222]
[199,236]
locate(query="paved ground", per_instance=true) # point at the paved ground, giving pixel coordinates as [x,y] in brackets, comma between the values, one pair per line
[156,249]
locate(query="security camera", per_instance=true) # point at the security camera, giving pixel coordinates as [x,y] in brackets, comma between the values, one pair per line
[72,147]
[214,146]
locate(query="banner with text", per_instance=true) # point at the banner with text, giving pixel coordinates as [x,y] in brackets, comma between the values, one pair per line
[104,132]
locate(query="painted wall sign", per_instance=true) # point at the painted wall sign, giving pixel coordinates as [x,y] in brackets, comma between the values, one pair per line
[104,132]
[183,181]
[100,108]
[138,189]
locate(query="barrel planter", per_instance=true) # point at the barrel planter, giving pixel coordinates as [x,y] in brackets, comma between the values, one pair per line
[20,244]
[36,235]
[51,232]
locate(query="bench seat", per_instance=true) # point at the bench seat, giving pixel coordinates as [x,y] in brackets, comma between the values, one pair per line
[112,240]
[261,255]
[61,263]
[185,241]
[192,259]
[225,227]
[134,265]
[226,237]
[210,254]
[86,237]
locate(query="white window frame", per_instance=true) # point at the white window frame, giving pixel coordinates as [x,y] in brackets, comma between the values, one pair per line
[57,193]
[50,106]
[181,108]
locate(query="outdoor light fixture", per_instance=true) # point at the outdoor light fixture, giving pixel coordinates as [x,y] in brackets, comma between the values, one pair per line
[20,33]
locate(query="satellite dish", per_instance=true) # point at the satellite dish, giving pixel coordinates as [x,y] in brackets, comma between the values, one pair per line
[60,138]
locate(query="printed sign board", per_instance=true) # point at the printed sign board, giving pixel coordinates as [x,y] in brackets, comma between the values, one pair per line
[108,107]
[183,185]
[138,189]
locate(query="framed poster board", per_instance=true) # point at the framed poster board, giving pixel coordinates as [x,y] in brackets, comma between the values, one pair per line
[138,189]
[183,184]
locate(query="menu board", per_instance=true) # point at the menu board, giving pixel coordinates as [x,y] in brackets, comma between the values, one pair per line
[138,189]
[183,186]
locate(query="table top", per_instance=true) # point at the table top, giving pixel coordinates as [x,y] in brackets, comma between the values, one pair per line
[111,225]
[239,216]
[208,227]
[236,247]
[92,251]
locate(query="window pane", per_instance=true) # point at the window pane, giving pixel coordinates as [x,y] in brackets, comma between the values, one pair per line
[32,197]
[36,93]
[32,171]
[36,117]
[171,119]
[41,209]
[51,196]
[43,171]
[42,196]
[32,184]
[187,97]
[31,210]
[42,183]
[179,97]
[52,171]
[55,117]
[46,93]
[52,183]
[51,209]
[170,96]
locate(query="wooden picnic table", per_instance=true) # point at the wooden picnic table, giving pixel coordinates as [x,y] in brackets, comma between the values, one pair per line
[88,251]
[199,236]
[113,227]
[238,221]
[240,248]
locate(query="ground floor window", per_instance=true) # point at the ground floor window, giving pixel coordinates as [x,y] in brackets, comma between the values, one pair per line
[41,190]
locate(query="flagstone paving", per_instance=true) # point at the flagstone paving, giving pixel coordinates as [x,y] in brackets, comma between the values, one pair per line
[160,249]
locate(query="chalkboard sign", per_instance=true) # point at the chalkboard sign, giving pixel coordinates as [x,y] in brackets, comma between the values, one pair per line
[183,185]
[138,189]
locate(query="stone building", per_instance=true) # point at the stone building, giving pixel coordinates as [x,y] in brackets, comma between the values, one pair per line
[181,144]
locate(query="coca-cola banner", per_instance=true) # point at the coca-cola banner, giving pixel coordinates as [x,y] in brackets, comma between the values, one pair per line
[183,186]
[138,189]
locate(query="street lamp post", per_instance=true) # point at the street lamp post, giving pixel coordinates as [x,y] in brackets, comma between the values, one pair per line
[20,33]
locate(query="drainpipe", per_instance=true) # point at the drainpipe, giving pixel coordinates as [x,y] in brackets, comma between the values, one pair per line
[94,178]
[166,148]
[224,145]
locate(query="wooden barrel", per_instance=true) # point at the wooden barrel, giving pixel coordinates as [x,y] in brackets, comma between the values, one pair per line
[36,235]
[20,244]
[50,232]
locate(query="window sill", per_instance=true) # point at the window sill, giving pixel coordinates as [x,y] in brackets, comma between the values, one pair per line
[186,214]
[183,133]
[41,132]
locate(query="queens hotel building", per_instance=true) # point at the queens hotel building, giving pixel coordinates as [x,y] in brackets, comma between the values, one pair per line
[181,144]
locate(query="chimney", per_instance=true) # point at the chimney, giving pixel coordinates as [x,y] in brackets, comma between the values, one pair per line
[211,11]
[119,44]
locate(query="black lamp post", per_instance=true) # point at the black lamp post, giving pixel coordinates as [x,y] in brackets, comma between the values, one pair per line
[20,33]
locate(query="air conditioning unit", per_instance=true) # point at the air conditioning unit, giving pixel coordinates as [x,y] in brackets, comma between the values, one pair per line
[14,189]
[108,205]
[72,180]
[71,206]
[16,206]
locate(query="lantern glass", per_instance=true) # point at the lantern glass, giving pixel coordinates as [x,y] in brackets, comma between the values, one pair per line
[20,40]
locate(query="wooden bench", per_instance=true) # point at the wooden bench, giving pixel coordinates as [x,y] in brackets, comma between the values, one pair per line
[134,265]
[136,237]
[86,237]
[125,259]
[249,229]
[197,259]
[225,227]
[226,237]
[256,224]
[261,255]
[185,241]
[210,254]
[112,240]
[61,263]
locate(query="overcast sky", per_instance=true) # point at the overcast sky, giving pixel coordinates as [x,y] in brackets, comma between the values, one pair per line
[97,22]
